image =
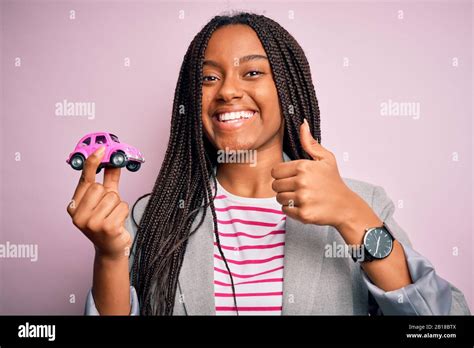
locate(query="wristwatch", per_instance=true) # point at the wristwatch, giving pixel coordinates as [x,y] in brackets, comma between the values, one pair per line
[377,244]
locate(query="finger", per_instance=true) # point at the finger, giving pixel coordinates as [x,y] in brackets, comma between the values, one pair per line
[88,174]
[287,199]
[120,212]
[286,169]
[117,218]
[111,179]
[309,144]
[91,199]
[292,212]
[285,185]
[107,204]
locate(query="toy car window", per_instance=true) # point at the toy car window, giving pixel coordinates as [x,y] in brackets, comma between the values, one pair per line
[114,138]
[87,141]
[100,139]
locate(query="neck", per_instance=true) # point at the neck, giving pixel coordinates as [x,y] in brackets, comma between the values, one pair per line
[251,179]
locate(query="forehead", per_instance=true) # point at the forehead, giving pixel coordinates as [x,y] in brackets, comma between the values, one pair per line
[233,41]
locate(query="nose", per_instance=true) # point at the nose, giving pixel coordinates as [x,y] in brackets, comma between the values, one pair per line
[230,89]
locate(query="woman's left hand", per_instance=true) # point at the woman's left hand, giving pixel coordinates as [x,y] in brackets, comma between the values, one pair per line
[312,191]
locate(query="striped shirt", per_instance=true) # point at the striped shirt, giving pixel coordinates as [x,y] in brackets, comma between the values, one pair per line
[252,237]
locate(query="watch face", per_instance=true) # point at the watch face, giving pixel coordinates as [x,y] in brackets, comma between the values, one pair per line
[378,243]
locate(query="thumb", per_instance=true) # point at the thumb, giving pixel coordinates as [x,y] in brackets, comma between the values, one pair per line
[309,144]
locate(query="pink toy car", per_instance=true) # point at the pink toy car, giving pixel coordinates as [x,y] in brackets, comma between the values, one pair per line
[117,154]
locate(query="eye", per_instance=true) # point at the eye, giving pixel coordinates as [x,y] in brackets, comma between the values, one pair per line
[208,78]
[254,71]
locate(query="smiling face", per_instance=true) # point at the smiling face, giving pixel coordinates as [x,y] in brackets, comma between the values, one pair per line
[240,107]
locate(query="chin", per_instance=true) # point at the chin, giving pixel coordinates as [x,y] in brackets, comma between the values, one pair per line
[235,144]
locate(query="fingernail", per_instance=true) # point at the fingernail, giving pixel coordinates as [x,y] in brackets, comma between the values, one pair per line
[306,123]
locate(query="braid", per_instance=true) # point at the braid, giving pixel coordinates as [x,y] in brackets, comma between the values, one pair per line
[184,186]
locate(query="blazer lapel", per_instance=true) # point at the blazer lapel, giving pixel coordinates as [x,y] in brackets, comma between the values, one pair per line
[196,278]
[304,256]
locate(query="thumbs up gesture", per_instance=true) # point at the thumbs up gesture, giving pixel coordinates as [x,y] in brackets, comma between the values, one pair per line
[312,191]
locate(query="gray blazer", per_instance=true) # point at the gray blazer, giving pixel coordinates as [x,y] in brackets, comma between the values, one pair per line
[313,283]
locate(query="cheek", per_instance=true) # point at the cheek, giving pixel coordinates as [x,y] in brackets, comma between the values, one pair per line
[206,121]
[206,101]
[207,129]
[267,98]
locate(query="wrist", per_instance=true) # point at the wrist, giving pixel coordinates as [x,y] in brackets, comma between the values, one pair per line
[358,217]
[109,258]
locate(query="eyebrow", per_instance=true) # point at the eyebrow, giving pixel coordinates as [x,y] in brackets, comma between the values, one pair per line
[241,60]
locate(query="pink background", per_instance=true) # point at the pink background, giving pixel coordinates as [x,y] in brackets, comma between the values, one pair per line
[82,60]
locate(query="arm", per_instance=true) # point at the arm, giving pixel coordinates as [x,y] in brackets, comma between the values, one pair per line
[313,192]
[111,292]
[390,273]
[111,285]
[429,294]
[426,293]
[91,309]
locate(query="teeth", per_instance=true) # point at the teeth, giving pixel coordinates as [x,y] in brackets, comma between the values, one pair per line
[228,116]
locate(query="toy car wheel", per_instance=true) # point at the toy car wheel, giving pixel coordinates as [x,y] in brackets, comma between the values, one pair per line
[118,160]
[77,161]
[133,166]
[99,168]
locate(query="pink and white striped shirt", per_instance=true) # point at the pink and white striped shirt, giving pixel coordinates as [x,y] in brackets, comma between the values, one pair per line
[252,237]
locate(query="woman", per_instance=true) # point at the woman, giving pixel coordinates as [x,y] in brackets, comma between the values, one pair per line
[220,236]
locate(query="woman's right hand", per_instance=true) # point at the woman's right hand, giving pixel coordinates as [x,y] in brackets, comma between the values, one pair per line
[98,211]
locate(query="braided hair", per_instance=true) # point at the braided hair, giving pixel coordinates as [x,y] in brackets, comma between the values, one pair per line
[184,188]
